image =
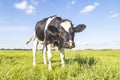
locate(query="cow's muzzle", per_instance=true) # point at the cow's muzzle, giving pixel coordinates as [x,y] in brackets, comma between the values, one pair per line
[70,44]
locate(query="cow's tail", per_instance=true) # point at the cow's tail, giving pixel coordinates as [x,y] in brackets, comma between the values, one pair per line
[30,39]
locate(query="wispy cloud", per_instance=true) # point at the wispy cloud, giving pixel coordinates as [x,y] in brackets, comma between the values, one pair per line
[70,3]
[114,15]
[89,8]
[28,8]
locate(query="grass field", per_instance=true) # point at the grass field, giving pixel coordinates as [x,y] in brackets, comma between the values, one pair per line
[80,65]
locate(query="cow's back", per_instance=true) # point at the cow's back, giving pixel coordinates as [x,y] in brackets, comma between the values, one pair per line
[40,27]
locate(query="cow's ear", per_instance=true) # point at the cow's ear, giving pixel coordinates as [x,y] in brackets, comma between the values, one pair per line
[79,28]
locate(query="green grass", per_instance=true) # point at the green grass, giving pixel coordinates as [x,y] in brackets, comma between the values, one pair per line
[80,65]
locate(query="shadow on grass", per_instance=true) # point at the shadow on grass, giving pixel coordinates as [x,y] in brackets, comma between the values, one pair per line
[82,60]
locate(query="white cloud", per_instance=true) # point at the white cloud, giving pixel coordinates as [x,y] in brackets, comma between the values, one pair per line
[22,5]
[89,8]
[114,15]
[28,8]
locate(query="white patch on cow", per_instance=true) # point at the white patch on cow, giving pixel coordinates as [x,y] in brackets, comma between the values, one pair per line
[66,25]
[48,21]
[35,44]
[49,56]
[44,55]
[62,56]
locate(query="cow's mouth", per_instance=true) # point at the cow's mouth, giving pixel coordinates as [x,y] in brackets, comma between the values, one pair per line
[69,45]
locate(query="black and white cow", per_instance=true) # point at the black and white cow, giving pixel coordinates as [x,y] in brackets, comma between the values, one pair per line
[54,31]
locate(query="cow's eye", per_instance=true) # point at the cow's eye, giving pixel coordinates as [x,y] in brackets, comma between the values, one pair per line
[72,33]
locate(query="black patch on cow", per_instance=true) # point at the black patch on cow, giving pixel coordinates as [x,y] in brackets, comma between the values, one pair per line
[55,33]
[52,33]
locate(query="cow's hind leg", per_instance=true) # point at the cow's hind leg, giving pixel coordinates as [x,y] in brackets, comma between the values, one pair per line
[62,56]
[35,44]
[49,56]
[44,54]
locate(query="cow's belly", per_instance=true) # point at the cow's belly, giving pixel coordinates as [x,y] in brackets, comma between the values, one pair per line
[40,35]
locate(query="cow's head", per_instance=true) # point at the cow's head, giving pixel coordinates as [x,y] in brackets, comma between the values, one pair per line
[67,32]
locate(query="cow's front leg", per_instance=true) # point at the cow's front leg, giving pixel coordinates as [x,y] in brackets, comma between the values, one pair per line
[44,54]
[62,56]
[35,44]
[49,56]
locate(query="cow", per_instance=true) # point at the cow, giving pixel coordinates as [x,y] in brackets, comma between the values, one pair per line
[54,31]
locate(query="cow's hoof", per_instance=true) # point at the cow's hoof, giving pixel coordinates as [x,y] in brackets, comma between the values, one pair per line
[63,65]
[49,68]
[34,64]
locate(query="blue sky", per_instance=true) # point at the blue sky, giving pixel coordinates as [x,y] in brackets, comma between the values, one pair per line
[102,17]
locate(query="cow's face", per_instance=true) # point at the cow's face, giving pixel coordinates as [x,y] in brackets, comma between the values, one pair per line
[68,32]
